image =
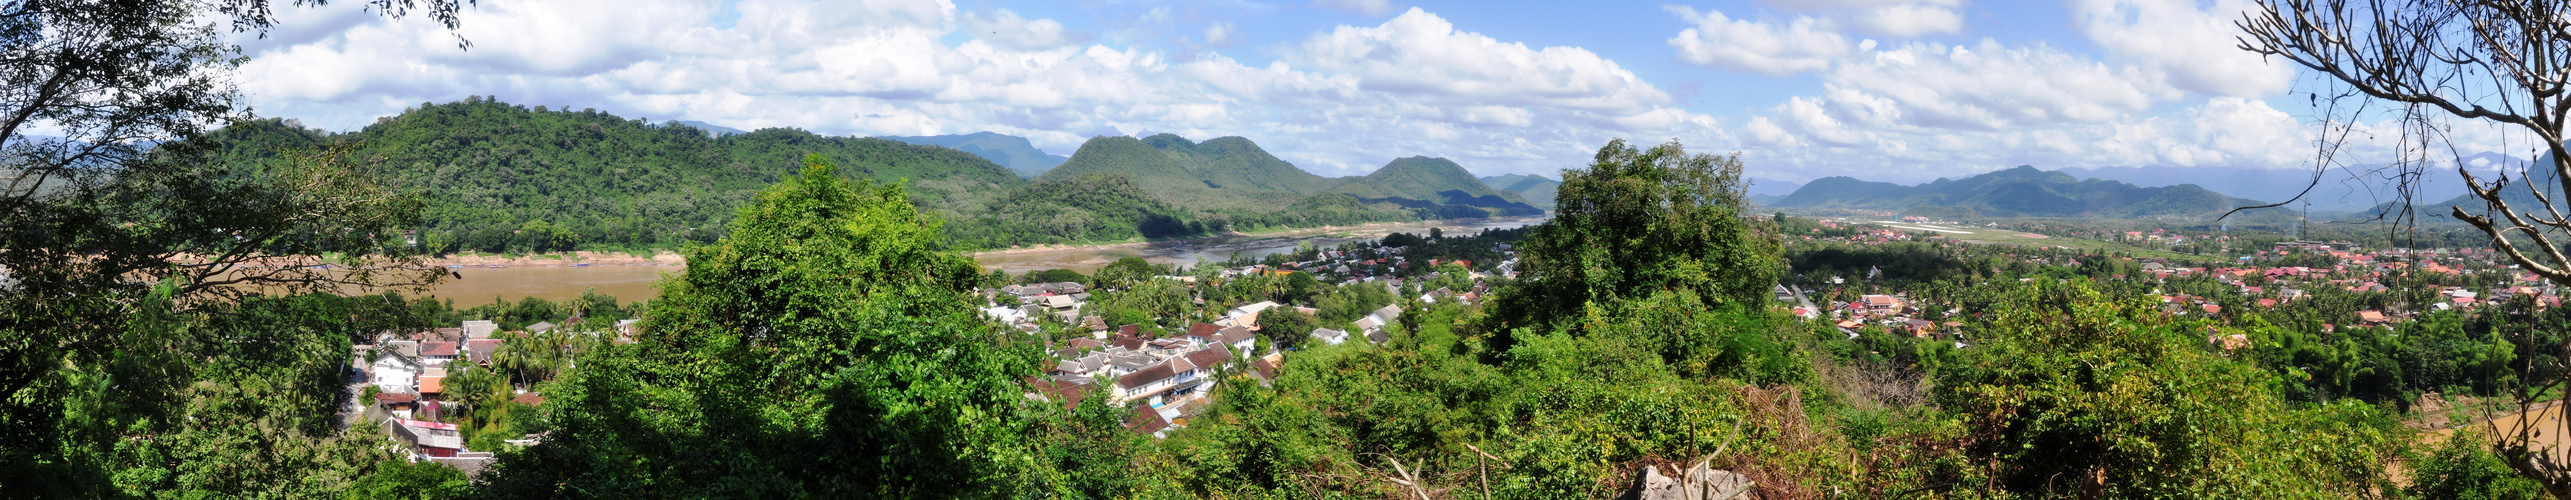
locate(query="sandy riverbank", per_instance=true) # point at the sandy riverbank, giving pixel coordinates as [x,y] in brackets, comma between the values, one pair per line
[661,258]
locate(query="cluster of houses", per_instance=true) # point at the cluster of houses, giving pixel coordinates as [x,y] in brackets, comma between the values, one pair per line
[1060,300]
[1375,264]
[409,371]
[1895,312]
[1166,378]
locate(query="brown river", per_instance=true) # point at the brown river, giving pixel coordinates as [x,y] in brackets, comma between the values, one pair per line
[479,285]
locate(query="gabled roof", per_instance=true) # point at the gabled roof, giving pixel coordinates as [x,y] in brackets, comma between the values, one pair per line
[1146,376]
[1264,368]
[1146,420]
[1203,330]
[540,327]
[437,348]
[1210,357]
[480,329]
[479,351]
[1232,334]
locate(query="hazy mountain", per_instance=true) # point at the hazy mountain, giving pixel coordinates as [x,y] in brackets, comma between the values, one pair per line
[2334,190]
[1007,150]
[1536,189]
[2516,193]
[2017,192]
[709,128]
[1771,187]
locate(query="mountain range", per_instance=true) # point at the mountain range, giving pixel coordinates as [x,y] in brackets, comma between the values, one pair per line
[500,177]
[2023,191]
[1536,189]
[1007,150]
[2344,189]
[1233,175]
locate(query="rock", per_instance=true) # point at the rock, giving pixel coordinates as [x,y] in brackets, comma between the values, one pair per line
[1700,483]
[1705,483]
[1653,486]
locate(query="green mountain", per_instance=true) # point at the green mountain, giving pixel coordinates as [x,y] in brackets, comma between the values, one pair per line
[505,178]
[1094,207]
[1007,150]
[1424,178]
[502,177]
[1231,178]
[1535,189]
[2017,192]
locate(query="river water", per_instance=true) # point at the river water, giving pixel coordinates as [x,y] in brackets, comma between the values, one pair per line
[479,285]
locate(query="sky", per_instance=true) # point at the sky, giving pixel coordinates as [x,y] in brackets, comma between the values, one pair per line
[1889,90]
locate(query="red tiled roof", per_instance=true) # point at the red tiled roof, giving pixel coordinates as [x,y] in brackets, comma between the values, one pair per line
[437,348]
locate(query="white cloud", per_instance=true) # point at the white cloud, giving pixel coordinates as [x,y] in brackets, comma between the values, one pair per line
[2192,49]
[1341,101]
[1422,57]
[1007,29]
[1367,7]
[1890,18]
[1988,86]
[1221,34]
[1910,20]
[1805,44]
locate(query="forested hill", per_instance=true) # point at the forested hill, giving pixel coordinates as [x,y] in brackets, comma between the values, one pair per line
[504,177]
[2017,192]
[1232,175]
[1422,178]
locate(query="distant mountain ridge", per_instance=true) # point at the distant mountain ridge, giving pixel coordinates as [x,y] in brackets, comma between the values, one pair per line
[501,177]
[1234,174]
[2339,189]
[1536,189]
[2023,191]
[1011,151]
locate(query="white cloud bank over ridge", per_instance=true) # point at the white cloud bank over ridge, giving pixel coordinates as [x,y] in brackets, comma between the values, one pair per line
[2172,90]
[1339,102]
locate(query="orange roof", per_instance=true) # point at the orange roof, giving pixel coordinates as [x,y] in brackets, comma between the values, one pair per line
[432,385]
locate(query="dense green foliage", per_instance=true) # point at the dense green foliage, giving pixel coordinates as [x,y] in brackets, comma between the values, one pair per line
[1095,207]
[823,347]
[1639,222]
[503,177]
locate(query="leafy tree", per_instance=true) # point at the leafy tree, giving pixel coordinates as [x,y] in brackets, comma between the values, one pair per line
[2080,392]
[825,347]
[118,195]
[411,481]
[1640,221]
[1285,327]
[2463,467]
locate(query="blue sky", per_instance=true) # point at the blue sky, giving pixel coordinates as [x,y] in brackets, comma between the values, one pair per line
[1900,90]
